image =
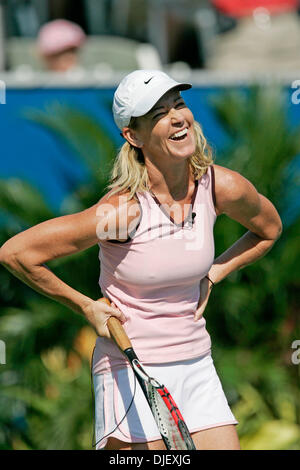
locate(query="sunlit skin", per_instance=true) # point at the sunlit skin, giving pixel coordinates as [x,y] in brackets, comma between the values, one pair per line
[166,160]
[169,115]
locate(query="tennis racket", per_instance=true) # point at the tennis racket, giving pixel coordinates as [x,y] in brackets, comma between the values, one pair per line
[168,418]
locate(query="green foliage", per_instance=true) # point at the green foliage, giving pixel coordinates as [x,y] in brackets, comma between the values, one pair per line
[252,316]
[261,148]
[261,143]
[40,408]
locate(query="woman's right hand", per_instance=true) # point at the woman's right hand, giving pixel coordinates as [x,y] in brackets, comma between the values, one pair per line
[98,313]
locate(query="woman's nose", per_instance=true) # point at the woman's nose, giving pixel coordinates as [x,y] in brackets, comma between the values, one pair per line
[176,115]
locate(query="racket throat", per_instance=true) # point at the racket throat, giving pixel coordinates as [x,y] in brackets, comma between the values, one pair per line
[130,354]
[135,363]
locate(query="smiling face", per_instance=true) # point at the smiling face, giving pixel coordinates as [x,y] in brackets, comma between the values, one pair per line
[166,130]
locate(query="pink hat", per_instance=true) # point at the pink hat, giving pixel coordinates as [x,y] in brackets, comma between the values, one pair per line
[59,35]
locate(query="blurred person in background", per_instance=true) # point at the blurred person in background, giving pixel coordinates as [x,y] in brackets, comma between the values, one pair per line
[58,44]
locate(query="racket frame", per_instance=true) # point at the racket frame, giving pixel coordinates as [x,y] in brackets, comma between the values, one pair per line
[118,333]
[143,377]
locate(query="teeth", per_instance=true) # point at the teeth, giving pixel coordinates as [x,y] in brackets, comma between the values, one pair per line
[179,134]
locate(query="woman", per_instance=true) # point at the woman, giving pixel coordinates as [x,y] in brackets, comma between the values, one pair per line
[155,232]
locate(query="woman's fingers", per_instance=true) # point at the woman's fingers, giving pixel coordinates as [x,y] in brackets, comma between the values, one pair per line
[200,310]
[99,313]
[198,314]
[111,311]
[118,313]
[203,299]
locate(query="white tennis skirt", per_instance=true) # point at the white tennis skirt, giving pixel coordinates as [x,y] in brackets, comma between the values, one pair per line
[121,410]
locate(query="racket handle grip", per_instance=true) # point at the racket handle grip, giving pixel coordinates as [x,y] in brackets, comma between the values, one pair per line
[116,330]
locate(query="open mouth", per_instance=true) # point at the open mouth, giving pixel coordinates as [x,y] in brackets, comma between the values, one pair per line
[179,136]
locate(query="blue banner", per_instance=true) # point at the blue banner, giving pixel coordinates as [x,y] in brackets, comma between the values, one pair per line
[29,151]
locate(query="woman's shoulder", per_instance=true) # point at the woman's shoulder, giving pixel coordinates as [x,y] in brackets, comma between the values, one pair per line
[119,199]
[231,188]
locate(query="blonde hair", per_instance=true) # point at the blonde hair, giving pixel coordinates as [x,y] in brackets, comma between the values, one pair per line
[129,172]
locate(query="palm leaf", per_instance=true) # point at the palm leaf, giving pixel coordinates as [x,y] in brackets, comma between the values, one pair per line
[82,133]
[23,201]
[262,145]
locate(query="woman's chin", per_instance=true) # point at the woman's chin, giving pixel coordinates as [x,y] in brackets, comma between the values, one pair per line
[183,151]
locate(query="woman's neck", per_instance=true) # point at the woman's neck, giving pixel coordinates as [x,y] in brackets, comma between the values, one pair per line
[172,181]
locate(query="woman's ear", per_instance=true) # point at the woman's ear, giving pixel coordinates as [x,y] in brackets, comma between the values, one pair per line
[131,137]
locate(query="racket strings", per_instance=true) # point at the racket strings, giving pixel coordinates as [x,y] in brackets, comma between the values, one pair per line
[165,422]
[172,407]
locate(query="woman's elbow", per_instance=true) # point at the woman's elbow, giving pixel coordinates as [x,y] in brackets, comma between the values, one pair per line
[274,233]
[280,230]
[274,228]
[8,254]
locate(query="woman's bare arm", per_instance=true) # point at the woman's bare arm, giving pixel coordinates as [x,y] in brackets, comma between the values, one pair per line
[238,199]
[25,254]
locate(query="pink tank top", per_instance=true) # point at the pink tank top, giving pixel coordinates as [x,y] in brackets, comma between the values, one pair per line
[154,278]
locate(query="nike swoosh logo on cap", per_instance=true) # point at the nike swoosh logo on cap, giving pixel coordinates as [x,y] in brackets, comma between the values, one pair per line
[146,83]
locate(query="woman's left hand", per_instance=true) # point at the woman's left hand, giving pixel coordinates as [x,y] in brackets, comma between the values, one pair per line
[205,290]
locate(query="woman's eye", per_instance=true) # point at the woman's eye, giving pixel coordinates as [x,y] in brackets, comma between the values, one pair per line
[181,104]
[158,115]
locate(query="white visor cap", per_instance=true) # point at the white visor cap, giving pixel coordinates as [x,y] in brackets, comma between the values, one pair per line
[139,91]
